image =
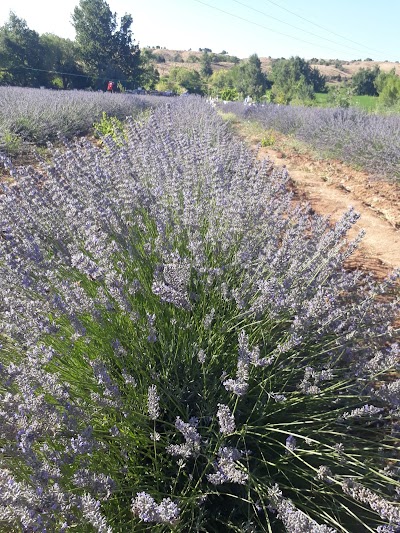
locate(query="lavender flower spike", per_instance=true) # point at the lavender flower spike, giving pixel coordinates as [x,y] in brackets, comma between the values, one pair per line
[153,406]
[145,507]
[226,420]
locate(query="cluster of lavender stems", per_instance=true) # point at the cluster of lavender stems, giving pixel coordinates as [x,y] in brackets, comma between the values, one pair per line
[181,347]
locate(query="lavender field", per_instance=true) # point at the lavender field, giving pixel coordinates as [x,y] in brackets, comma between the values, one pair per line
[367,141]
[39,116]
[182,348]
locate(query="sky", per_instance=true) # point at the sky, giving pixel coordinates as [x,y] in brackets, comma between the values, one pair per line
[342,29]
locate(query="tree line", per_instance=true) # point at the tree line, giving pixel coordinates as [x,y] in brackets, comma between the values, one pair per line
[289,80]
[104,48]
[374,82]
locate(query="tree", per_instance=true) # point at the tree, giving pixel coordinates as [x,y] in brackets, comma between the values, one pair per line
[388,87]
[60,59]
[249,80]
[363,81]
[339,97]
[20,54]
[181,79]
[206,68]
[149,76]
[108,51]
[294,78]
[221,80]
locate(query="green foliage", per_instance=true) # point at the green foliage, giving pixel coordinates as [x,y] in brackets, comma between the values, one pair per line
[178,58]
[368,103]
[166,84]
[268,139]
[245,79]
[248,78]
[149,75]
[339,97]
[106,48]
[363,81]
[181,79]
[220,81]
[10,143]
[110,127]
[229,95]
[388,87]
[60,58]
[20,54]
[206,68]
[295,79]
[193,59]
[223,58]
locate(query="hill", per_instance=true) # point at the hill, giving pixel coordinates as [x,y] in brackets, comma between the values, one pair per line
[333,69]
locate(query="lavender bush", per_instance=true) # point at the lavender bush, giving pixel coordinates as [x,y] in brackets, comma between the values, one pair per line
[39,116]
[371,142]
[182,349]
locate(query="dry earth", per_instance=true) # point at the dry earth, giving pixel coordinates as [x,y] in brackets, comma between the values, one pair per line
[331,187]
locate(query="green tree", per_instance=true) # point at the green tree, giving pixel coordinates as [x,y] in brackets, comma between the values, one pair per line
[206,68]
[363,81]
[249,79]
[21,54]
[221,80]
[181,79]
[107,50]
[295,79]
[229,95]
[148,74]
[60,59]
[339,97]
[388,87]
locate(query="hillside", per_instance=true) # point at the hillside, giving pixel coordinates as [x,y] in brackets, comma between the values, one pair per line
[180,58]
[347,69]
[334,70]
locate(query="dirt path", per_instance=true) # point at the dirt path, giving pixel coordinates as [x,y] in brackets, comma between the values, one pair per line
[331,188]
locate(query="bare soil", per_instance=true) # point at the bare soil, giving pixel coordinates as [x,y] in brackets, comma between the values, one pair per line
[331,187]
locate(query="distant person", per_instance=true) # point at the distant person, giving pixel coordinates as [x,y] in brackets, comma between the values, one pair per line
[111,87]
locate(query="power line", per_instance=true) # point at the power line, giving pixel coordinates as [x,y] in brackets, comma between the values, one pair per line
[296,27]
[323,28]
[103,78]
[265,27]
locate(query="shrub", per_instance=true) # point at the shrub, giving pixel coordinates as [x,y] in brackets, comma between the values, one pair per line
[182,349]
[10,143]
[110,127]
[364,81]
[268,139]
[229,95]
[339,97]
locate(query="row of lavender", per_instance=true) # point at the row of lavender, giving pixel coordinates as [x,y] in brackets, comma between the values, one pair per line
[38,116]
[371,142]
[181,348]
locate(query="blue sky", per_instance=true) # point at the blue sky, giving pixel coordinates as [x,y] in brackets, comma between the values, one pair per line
[344,29]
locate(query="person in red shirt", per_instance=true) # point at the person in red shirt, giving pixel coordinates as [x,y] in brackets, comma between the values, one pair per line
[110,87]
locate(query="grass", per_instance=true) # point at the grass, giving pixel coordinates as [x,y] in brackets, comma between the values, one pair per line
[368,103]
